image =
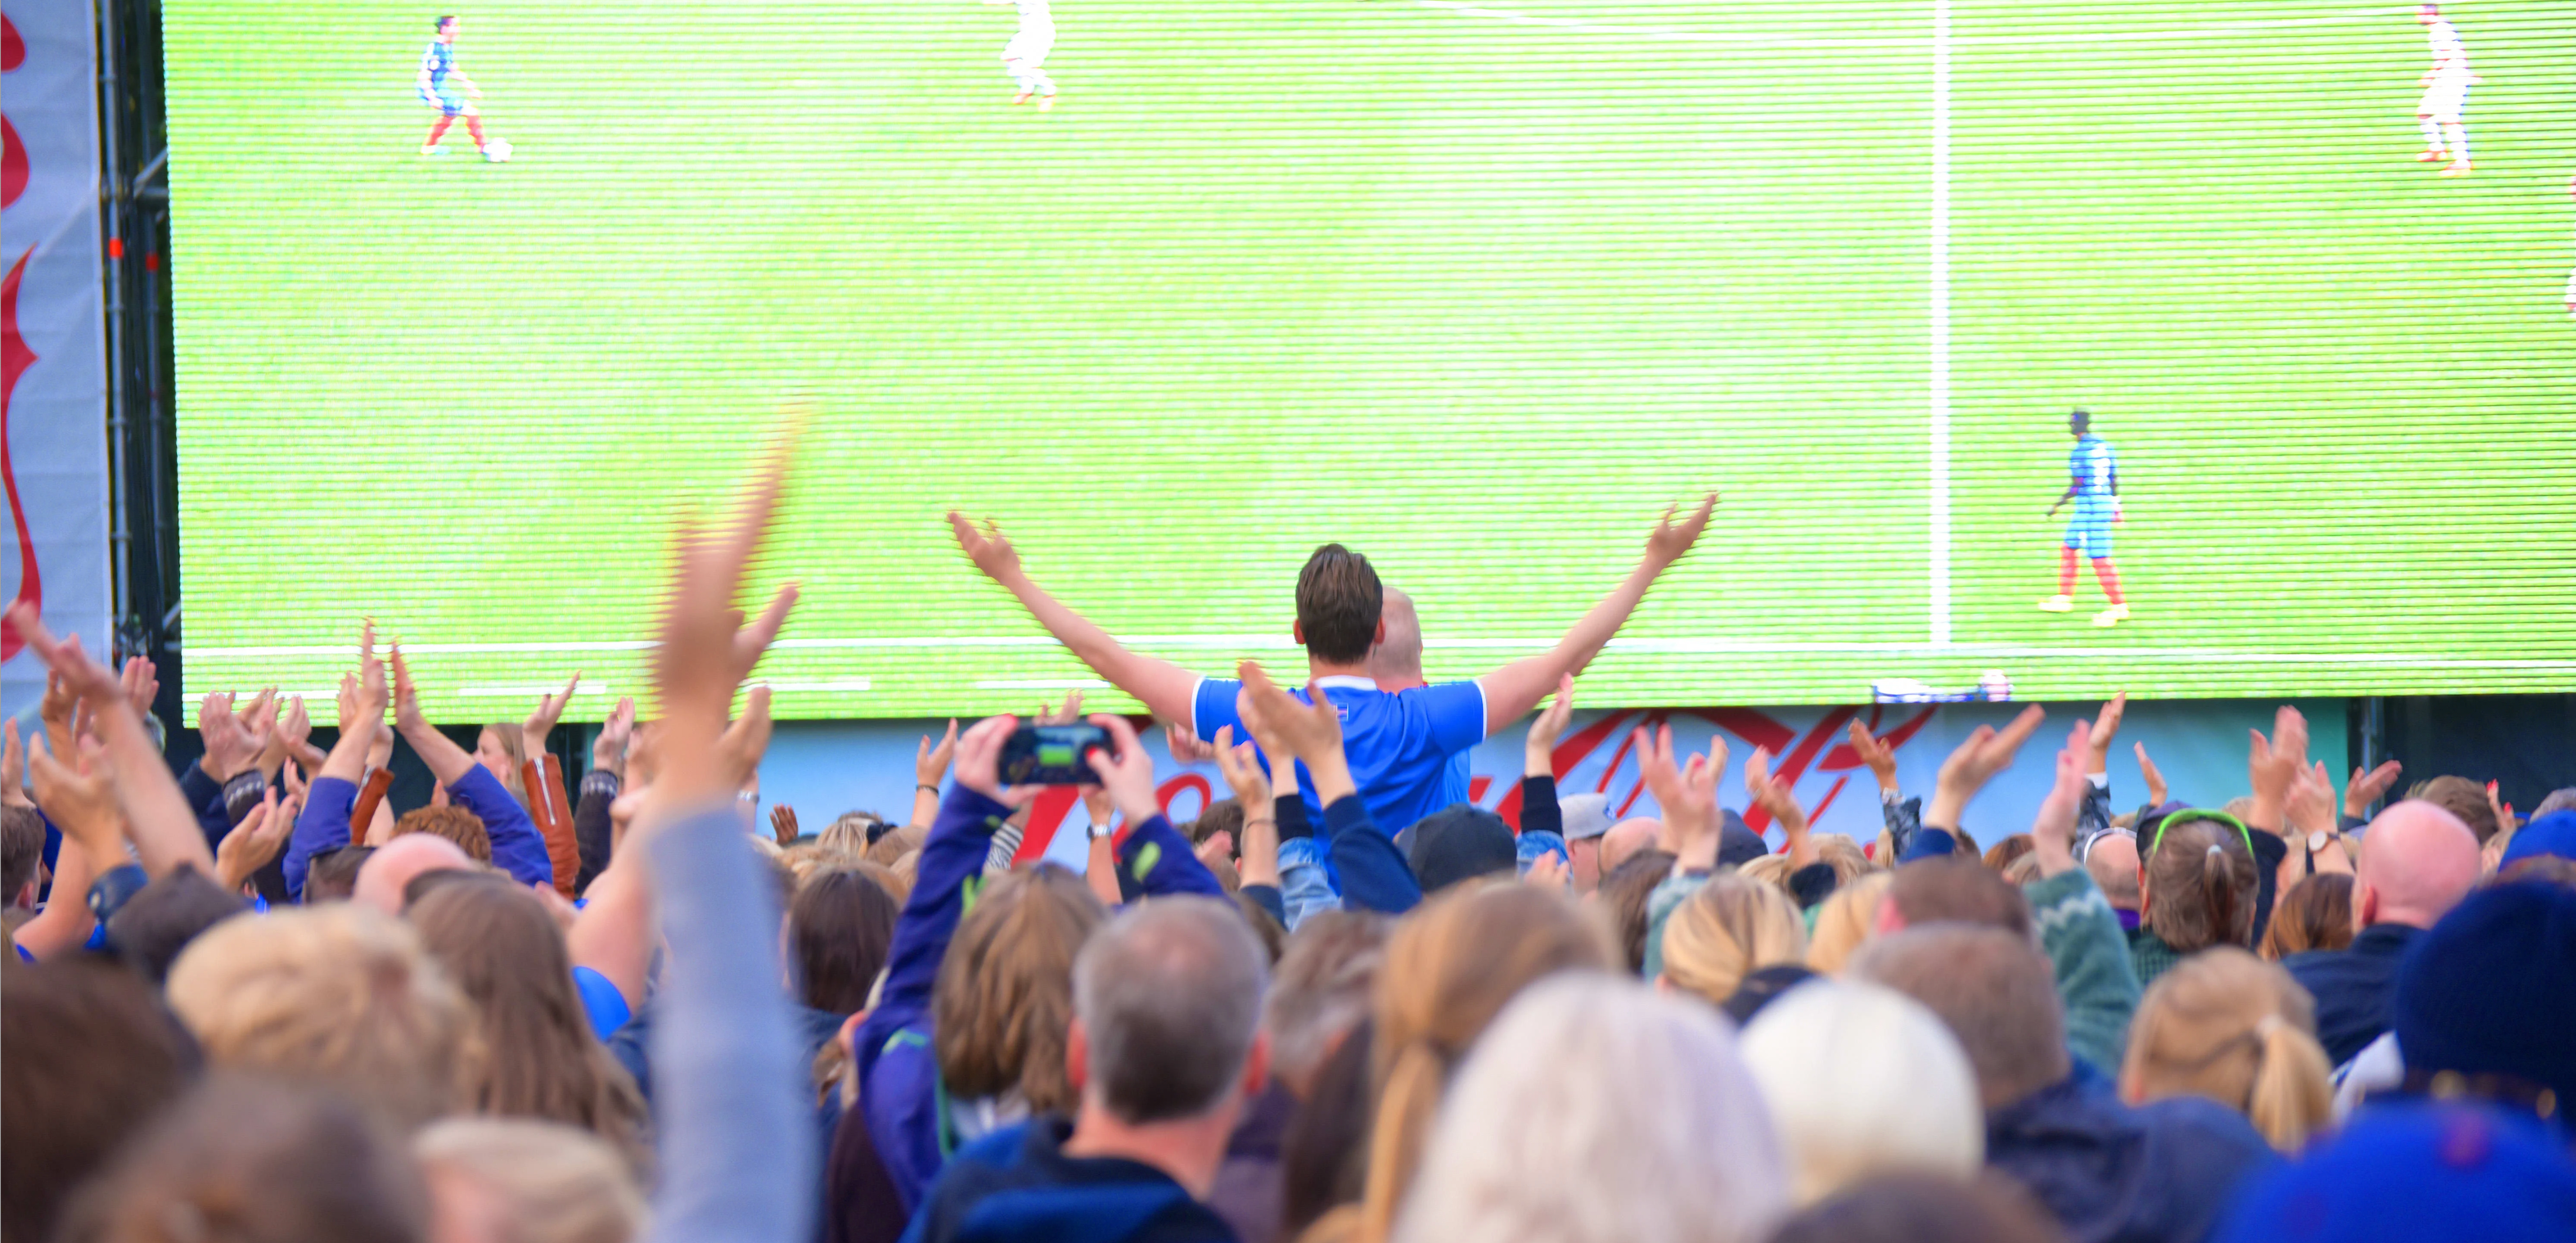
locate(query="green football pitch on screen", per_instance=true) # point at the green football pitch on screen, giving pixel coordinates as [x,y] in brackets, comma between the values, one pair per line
[1181,291]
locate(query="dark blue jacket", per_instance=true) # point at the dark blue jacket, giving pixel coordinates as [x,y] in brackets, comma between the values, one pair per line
[899,1090]
[1018,1184]
[2159,1173]
[2352,986]
[1371,871]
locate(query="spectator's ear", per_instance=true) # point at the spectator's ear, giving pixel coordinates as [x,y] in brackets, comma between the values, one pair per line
[1381,631]
[1077,1056]
[1256,1067]
[1297,631]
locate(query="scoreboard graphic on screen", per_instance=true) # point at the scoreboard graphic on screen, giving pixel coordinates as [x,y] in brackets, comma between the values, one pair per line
[469,312]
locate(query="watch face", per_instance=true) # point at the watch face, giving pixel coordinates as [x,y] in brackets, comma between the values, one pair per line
[2317,841]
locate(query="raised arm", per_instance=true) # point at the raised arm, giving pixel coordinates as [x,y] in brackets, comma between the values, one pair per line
[1514,689]
[1149,848]
[157,816]
[82,805]
[516,846]
[737,1143]
[1163,687]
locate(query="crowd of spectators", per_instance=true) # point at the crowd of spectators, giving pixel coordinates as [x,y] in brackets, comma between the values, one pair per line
[251,1001]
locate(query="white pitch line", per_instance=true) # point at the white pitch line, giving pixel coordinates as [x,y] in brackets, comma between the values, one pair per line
[1670,34]
[1939,381]
[1701,647]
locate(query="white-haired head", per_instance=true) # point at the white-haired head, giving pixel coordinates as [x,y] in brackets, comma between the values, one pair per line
[1595,1111]
[1863,1080]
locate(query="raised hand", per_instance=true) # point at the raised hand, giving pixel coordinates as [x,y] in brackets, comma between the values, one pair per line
[1538,751]
[13,767]
[747,739]
[541,719]
[81,801]
[1241,764]
[2052,831]
[2273,765]
[1128,775]
[609,749]
[1669,540]
[368,690]
[1686,794]
[230,744]
[1185,746]
[2309,807]
[408,718]
[1288,730]
[989,549]
[930,763]
[2105,726]
[1875,754]
[2156,789]
[2495,806]
[142,684]
[252,843]
[2368,788]
[979,761]
[705,650]
[57,710]
[1774,796]
[295,735]
[782,824]
[1975,762]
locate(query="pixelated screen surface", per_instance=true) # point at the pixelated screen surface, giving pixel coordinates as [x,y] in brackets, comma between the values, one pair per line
[1478,291]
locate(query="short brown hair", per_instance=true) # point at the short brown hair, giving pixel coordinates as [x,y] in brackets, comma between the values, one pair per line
[1004,999]
[2316,914]
[334,874]
[2463,798]
[2198,890]
[1339,602]
[1224,815]
[1958,889]
[453,823]
[249,1158]
[840,927]
[22,849]
[1991,987]
[92,1058]
[2001,855]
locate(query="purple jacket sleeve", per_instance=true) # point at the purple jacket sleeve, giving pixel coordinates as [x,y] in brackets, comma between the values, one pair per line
[516,846]
[898,1080]
[1162,863]
[1374,875]
[323,828]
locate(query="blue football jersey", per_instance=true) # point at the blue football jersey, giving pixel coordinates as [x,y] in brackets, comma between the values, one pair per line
[2092,469]
[1400,745]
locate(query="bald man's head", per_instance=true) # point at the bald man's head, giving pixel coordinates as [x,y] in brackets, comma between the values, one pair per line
[389,871]
[2113,864]
[2417,862]
[1625,839]
[1396,662]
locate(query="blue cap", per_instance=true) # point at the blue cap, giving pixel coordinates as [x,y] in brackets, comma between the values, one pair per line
[1929,844]
[2406,1173]
[2553,834]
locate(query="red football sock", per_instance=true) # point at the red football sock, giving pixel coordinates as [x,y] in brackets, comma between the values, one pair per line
[474,126]
[2066,572]
[2109,576]
[438,130]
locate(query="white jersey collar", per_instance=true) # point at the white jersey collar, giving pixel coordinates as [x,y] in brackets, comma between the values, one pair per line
[1347,681]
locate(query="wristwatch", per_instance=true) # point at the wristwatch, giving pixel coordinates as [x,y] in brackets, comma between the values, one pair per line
[2318,839]
[1101,830]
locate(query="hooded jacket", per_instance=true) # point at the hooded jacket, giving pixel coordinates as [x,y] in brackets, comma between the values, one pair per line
[1017,1183]
[2158,1173]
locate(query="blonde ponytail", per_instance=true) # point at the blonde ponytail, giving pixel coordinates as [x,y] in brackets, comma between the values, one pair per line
[1404,1114]
[2293,1093]
[2226,1025]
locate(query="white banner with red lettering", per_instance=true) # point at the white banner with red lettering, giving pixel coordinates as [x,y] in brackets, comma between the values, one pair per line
[53,372]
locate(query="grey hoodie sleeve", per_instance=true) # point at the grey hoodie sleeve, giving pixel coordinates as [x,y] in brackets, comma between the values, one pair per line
[737,1139]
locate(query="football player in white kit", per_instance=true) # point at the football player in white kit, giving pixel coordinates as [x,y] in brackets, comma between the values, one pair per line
[2446,94]
[1024,57]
